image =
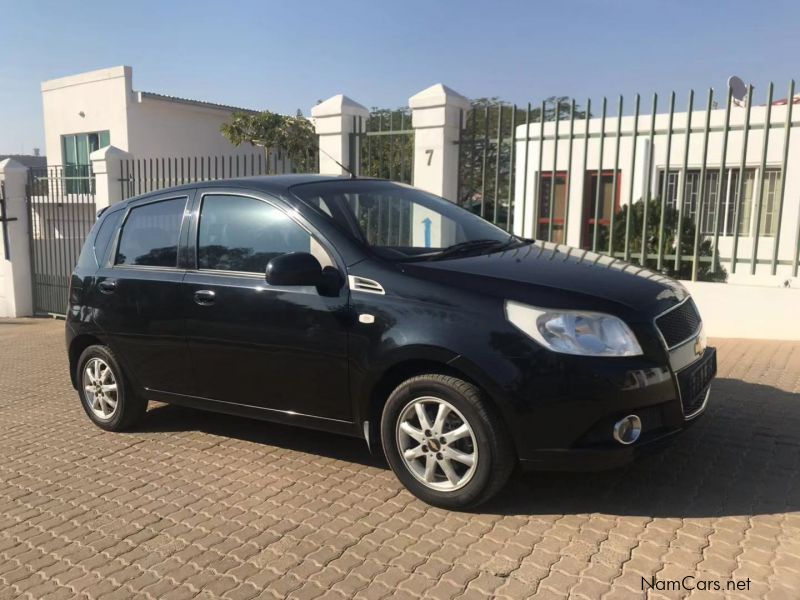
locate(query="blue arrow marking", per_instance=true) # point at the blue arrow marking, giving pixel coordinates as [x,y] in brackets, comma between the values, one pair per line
[427,222]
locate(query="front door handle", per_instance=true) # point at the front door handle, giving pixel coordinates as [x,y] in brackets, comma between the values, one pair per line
[107,286]
[204,297]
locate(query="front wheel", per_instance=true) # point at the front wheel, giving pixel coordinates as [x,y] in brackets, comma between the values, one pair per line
[444,442]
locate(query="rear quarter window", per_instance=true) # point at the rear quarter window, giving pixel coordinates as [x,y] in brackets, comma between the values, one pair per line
[105,234]
[95,247]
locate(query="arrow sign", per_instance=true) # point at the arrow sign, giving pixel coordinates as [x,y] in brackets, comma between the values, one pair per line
[427,223]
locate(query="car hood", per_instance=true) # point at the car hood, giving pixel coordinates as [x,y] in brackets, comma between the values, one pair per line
[543,271]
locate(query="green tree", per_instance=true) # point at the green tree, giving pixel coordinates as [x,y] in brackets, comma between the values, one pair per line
[294,136]
[668,241]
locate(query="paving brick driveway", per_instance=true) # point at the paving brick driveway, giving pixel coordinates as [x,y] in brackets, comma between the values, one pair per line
[200,505]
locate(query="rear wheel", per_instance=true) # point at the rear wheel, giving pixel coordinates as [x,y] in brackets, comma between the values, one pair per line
[444,442]
[106,395]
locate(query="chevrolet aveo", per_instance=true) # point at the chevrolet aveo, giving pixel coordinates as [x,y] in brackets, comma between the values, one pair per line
[373,309]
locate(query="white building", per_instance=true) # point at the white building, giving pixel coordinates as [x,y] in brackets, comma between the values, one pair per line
[91,110]
[632,171]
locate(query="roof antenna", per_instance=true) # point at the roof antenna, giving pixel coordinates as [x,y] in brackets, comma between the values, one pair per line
[352,175]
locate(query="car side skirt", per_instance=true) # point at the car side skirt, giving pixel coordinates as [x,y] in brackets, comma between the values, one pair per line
[257,412]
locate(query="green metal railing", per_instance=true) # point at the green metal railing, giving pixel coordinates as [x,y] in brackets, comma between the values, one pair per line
[143,175]
[693,206]
[61,208]
[382,145]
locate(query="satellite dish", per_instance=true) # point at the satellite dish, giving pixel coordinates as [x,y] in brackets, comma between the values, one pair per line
[737,87]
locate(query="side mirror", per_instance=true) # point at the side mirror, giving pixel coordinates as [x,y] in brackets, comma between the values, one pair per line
[294,268]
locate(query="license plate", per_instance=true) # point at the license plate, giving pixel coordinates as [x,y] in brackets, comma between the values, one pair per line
[694,381]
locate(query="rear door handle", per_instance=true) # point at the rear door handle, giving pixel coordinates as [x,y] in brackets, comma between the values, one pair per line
[107,286]
[204,297]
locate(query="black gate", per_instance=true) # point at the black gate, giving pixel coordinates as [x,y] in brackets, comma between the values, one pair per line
[61,207]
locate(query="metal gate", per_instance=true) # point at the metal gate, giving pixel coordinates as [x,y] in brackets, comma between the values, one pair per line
[385,145]
[61,206]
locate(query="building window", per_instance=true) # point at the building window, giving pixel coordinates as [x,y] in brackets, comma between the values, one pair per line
[728,202]
[770,202]
[557,188]
[609,200]
[76,149]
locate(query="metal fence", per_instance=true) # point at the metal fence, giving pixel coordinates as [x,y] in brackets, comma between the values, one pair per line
[4,219]
[143,175]
[383,145]
[61,207]
[698,194]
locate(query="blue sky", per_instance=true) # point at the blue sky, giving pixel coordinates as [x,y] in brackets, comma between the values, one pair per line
[282,55]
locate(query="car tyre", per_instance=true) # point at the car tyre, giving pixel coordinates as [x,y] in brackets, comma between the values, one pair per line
[444,441]
[106,393]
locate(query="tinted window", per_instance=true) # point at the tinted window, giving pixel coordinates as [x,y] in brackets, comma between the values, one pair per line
[397,220]
[244,234]
[150,234]
[105,234]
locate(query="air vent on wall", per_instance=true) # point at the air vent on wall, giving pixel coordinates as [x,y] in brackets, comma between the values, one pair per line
[362,284]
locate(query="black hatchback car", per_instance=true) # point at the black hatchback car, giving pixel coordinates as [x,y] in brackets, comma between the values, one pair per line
[373,309]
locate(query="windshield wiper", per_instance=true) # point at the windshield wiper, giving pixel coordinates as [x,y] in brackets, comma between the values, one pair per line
[469,246]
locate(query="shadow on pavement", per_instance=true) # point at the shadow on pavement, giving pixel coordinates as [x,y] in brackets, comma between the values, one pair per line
[166,417]
[741,458]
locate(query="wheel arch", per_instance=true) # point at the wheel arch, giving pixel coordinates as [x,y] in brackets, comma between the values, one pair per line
[405,366]
[76,347]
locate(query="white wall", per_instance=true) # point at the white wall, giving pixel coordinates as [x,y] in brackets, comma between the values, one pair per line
[145,126]
[746,311]
[161,128]
[102,96]
[637,178]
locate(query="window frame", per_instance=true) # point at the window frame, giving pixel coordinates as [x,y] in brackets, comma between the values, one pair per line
[188,197]
[193,234]
[557,220]
[729,203]
[587,214]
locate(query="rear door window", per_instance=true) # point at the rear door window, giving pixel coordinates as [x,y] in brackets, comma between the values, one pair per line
[150,234]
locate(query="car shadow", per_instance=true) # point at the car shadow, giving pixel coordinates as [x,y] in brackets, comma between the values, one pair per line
[741,458]
[170,417]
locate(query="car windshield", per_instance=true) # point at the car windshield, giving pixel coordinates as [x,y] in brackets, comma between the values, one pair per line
[401,222]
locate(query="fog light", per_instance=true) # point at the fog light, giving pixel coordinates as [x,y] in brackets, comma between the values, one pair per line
[628,429]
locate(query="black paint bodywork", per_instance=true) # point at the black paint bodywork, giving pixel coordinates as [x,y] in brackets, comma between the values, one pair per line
[299,355]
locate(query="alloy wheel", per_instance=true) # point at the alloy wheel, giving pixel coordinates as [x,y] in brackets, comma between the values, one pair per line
[100,388]
[437,444]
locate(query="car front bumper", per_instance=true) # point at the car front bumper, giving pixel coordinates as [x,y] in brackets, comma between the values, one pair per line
[673,412]
[601,457]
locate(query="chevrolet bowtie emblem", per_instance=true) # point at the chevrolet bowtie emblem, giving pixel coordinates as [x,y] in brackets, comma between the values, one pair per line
[698,347]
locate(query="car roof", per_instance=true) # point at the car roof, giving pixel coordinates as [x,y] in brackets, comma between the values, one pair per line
[275,184]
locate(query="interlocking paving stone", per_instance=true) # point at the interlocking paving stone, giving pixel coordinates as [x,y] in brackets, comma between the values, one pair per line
[194,505]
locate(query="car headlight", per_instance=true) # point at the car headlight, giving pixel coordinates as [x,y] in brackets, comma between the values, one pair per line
[574,331]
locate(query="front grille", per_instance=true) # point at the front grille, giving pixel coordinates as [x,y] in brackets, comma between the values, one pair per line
[679,324]
[694,381]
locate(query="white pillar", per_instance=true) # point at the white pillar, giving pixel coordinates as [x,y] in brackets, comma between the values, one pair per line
[107,170]
[16,298]
[334,120]
[437,116]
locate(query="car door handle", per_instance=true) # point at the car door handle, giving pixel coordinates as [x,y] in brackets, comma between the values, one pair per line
[204,297]
[107,286]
